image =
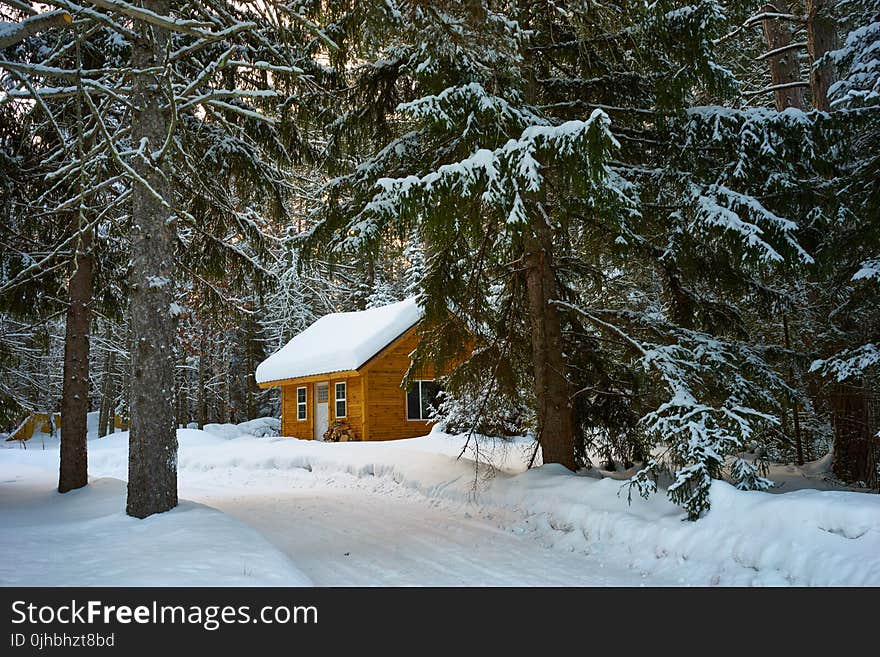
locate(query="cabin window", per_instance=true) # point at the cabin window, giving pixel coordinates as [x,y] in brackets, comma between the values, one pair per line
[420,398]
[301,413]
[340,400]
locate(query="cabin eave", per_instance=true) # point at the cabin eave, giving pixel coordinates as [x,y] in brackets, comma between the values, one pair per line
[311,378]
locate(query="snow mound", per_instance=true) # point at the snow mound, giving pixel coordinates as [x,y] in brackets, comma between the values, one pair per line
[191,545]
[261,427]
[340,341]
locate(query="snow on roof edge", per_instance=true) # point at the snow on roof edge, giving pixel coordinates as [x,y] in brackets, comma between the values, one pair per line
[303,376]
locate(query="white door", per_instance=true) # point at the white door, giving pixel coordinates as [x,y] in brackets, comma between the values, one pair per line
[321,410]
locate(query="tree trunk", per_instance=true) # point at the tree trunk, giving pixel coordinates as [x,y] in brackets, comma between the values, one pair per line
[183,397]
[364,288]
[203,382]
[108,392]
[74,466]
[123,406]
[152,461]
[854,407]
[251,387]
[221,398]
[552,389]
[798,442]
[784,67]
[555,423]
[821,38]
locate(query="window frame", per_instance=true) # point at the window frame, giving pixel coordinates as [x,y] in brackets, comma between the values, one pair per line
[417,382]
[337,399]
[302,405]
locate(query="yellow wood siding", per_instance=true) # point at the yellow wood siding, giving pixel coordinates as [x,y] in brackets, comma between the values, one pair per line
[35,422]
[354,414]
[290,426]
[386,415]
[305,429]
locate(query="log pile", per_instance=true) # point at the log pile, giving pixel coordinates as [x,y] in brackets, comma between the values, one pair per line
[340,432]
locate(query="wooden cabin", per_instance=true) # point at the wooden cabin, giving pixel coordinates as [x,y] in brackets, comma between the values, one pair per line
[348,367]
[35,423]
[39,423]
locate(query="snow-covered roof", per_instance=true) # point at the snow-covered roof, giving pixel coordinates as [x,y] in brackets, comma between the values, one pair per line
[340,342]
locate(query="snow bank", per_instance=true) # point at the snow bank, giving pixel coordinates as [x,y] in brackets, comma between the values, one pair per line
[805,537]
[814,538]
[260,427]
[84,538]
[340,341]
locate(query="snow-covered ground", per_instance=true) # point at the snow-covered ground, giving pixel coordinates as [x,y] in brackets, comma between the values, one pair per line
[84,538]
[409,513]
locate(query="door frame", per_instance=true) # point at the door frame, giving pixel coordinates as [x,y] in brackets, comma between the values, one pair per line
[316,434]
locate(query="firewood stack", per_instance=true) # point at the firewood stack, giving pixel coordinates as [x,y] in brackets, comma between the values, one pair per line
[340,431]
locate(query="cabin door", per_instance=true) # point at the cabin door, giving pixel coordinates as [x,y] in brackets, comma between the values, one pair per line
[321,410]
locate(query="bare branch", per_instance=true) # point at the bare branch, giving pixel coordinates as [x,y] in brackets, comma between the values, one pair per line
[777,87]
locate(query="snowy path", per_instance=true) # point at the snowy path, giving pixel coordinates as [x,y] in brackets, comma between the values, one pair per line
[355,537]
[409,513]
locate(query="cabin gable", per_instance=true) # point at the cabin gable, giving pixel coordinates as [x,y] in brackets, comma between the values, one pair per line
[387,410]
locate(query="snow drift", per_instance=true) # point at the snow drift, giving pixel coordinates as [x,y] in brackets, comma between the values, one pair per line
[805,537]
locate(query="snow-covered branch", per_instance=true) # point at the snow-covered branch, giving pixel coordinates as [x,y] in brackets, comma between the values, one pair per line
[12,33]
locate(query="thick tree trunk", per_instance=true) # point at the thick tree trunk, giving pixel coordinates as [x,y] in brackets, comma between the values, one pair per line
[552,388]
[555,420]
[108,393]
[784,67]
[855,408]
[74,470]
[152,462]
[821,38]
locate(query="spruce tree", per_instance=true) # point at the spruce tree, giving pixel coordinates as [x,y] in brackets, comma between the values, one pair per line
[577,173]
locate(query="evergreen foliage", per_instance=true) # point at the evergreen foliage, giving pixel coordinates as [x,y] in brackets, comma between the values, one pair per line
[714,259]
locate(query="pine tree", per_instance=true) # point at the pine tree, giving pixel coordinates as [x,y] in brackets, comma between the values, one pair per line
[847,283]
[576,153]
